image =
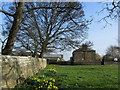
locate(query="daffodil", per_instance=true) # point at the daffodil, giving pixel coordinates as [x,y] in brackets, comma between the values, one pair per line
[48,87]
[46,81]
[50,83]
[53,80]
[42,76]
[56,88]
[34,78]
[38,80]
[50,78]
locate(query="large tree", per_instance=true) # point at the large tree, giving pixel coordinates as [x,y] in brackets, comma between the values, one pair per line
[58,28]
[17,18]
[17,14]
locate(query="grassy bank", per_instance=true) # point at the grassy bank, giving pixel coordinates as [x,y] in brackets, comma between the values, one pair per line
[79,76]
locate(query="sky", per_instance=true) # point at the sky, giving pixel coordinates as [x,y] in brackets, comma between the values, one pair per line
[0,27]
[101,37]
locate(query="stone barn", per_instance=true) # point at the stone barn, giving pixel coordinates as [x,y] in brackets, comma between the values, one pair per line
[84,55]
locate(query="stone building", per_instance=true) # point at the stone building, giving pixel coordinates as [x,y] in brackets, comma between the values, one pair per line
[53,58]
[84,55]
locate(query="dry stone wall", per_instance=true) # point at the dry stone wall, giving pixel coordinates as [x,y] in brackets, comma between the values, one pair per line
[15,69]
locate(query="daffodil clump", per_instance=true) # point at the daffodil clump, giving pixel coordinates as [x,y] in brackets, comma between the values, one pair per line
[44,81]
[50,72]
[49,83]
[41,76]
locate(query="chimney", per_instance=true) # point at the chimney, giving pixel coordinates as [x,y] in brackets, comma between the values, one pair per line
[61,56]
[84,47]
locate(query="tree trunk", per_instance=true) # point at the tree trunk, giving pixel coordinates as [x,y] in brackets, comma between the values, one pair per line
[41,54]
[42,51]
[14,29]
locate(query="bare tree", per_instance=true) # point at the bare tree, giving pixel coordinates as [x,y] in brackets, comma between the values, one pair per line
[59,28]
[113,11]
[17,14]
[113,51]
[113,8]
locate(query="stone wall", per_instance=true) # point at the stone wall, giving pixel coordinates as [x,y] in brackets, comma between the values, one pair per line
[15,69]
[111,63]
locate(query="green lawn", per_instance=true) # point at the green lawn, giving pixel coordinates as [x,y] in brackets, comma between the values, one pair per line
[81,76]
[87,76]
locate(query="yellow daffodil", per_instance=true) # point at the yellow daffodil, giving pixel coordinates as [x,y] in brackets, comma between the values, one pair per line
[56,88]
[46,81]
[48,87]
[53,80]
[50,83]
[35,78]
[42,76]
[50,78]
[38,80]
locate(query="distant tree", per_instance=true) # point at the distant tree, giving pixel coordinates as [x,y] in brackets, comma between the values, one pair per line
[87,45]
[113,51]
[46,30]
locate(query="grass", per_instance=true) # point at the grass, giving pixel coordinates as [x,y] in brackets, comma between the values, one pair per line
[83,76]
[87,76]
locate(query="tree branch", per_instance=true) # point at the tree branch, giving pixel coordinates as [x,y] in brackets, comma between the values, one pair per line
[6,13]
[48,8]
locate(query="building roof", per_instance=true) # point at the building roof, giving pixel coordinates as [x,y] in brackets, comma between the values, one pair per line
[52,58]
[52,55]
[79,50]
[84,48]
